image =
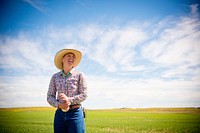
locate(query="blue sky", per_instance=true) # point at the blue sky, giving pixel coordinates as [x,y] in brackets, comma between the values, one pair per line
[136,53]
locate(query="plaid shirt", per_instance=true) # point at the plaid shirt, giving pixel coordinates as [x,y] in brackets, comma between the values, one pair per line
[73,85]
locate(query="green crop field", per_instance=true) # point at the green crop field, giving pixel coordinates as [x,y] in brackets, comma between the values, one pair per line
[150,120]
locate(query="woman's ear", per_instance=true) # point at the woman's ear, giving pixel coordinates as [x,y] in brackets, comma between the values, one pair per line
[63,59]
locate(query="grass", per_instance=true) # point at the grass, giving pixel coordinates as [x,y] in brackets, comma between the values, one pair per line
[151,120]
[26,120]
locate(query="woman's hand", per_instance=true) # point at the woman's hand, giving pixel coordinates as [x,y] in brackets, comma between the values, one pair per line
[63,97]
[65,105]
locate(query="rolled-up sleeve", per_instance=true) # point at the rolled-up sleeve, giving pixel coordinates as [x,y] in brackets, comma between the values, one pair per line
[51,94]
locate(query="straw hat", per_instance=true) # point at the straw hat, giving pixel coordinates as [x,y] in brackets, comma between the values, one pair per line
[59,55]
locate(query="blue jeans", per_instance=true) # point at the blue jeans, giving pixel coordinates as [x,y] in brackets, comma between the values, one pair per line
[69,122]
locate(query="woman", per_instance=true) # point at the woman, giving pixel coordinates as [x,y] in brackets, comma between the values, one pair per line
[67,89]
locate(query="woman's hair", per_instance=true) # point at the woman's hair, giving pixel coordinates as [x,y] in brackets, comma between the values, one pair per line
[68,53]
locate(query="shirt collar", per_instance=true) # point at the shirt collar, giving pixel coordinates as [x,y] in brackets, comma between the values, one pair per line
[66,75]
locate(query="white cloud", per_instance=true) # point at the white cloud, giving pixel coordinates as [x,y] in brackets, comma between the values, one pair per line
[89,33]
[177,44]
[141,92]
[115,48]
[176,48]
[25,54]
[130,35]
[107,92]
[39,5]
[23,91]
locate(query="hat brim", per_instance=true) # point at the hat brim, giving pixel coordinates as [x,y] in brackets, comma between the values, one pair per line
[59,55]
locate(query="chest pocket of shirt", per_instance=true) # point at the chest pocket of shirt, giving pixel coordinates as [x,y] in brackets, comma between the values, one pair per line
[72,84]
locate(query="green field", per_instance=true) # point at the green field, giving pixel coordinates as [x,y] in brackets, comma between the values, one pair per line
[150,120]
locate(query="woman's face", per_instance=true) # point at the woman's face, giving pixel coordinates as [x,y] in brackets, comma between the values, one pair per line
[68,60]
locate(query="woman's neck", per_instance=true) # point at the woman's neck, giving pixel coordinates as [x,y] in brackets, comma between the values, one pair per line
[67,70]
